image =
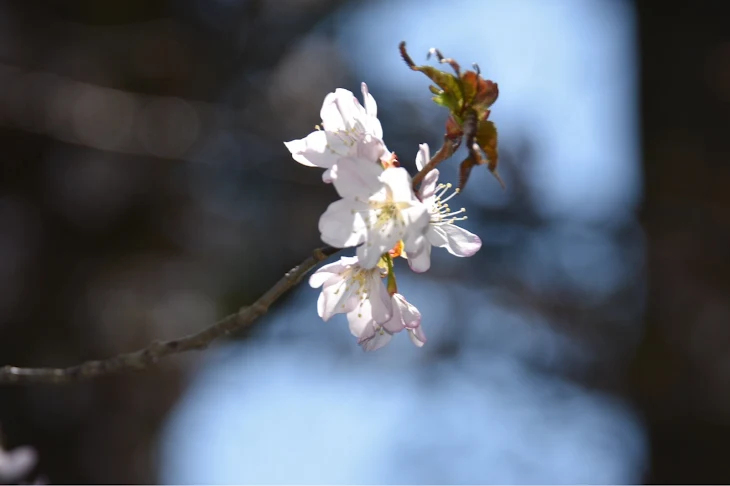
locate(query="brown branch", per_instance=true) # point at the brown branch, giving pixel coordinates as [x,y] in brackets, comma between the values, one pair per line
[446,151]
[145,357]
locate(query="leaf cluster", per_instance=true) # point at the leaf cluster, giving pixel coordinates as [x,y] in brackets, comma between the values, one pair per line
[468,97]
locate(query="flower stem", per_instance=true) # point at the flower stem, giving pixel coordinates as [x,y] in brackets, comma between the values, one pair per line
[392,285]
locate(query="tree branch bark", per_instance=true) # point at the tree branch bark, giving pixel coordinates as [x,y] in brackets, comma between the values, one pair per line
[446,151]
[145,357]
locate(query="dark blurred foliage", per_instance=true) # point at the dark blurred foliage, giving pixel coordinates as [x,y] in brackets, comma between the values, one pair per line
[145,192]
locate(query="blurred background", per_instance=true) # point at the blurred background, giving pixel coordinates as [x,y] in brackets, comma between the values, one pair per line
[145,192]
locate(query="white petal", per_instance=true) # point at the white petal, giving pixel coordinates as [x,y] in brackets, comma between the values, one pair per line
[373,125]
[423,156]
[417,219]
[342,224]
[380,301]
[395,323]
[461,242]
[330,113]
[370,106]
[436,235]
[320,305]
[372,149]
[356,178]
[350,109]
[319,277]
[368,256]
[428,187]
[417,336]
[374,128]
[313,150]
[399,184]
[337,299]
[410,315]
[377,243]
[360,320]
[420,261]
[377,341]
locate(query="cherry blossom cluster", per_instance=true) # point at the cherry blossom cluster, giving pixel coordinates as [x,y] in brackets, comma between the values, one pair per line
[381,215]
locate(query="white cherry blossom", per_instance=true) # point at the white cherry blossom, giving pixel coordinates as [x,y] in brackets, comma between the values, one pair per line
[373,335]
[377,209]
[348,287]
[348,129]
[442,230]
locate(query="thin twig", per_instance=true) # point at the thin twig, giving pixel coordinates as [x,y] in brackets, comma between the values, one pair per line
[149,355]
[446,151]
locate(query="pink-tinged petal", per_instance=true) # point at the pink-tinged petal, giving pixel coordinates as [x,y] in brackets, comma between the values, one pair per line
[428,187]
[381,304]
[376,341]
[313,150]
[461,242]
[327,176]
[360,320]
[342,225]
[423,156]
[399,184]
[356,178]
[417,336]
[410,315]
[395,323]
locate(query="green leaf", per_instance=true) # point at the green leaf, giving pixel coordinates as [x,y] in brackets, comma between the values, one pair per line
[448,100]
[451,95]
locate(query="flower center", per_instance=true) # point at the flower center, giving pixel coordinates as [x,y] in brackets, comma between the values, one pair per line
[356,283]
[360,277]
[385,217]
[440,211]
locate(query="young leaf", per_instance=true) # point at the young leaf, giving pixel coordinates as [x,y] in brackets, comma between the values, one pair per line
[450,85]
[465,169]
[487,140]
